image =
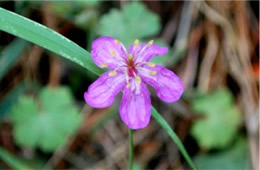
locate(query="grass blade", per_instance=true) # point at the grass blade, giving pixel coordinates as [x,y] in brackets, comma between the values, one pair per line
[172,134]
[11,161]
[10,54]
[47,38]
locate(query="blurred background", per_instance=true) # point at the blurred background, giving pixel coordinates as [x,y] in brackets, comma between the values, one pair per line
[213,47]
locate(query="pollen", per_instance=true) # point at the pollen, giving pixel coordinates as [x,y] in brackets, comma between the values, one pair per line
[136,43]
[128,85]
[112,73]
[130,57]
[152,73]
[150,43]
[117,41]
[112,52]
[103,65]
[150,64]
[138,79]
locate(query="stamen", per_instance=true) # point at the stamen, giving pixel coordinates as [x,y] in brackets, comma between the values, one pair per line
[136,43]
[112,52]
[112,73]
[117,41]
[128,85]
[144,48]
[103,65]
[150,64]
[152,73]
[138,79]
[130,56]
[122,46]
[150,43]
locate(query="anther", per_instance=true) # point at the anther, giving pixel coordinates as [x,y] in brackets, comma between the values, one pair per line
[130,57]
[103,65]
[136,43]
[117,41]
[128,85]
[150,43]
[138,79]
[112,73]
[112,52]
[152,73]
[150,64]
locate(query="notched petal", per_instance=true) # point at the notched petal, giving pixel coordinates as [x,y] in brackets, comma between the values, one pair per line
[168,86]
[135,107]
[103,91]
[108,52]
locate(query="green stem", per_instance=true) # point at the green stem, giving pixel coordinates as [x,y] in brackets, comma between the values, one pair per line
[131,149]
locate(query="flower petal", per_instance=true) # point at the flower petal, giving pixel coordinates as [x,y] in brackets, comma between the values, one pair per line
[108,52]
[168,86]
[135,107]
[103,91]
[145,52]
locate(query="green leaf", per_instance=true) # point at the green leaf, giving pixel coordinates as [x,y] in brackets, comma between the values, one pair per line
[10,54]
[86,18]
[48,122]
[50,96]
[65,9]
[221,121]
[172,134]
[134,21]
[24,110]
[28,132]
[11,160]
[236,157]
[12,96]
[46,38]
[140,21]
[113,24]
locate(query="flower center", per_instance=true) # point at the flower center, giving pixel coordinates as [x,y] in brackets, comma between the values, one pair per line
[131,69]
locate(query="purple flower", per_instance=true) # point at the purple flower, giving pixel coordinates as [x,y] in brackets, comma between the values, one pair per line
[131,71]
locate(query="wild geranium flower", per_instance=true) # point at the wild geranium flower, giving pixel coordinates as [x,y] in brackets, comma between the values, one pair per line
[130,71]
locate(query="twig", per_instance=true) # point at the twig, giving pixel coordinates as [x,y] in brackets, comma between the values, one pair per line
[185,25]
[170,29]
[238,70]
[209,57]
[192,59]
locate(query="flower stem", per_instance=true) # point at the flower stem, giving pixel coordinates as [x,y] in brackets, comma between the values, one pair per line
[131,149]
